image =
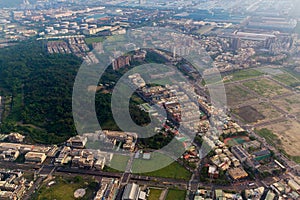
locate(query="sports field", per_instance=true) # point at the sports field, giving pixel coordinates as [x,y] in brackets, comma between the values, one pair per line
[232,141]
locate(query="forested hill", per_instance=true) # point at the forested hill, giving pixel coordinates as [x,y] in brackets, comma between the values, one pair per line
[37,88]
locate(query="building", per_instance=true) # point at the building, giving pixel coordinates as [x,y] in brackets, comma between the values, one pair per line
[131,192]
[77,142]
[213,171]
[84,160]
[121,62]
[108,189]
[261,155]
[235,43]
[219,194]
[237,173]
[240,153]
[270,195]
[35,157]
[15,137]
[142,2]
[294,185]
[9,155]
[99,164]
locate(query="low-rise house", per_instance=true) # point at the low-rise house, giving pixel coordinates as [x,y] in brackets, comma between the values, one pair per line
[35,157]
[237,173]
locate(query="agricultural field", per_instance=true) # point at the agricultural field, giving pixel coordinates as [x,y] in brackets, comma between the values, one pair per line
[266,87]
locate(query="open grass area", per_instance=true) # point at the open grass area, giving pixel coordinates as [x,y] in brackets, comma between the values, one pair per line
[176,194]
[288,136]
[296,159]
[244,74]
[154,194]
[64,188]
[236,94]
[91,40]
[265,87]
[290,104]
[270,137]
[12,108]
[156,161]
[119,162]
[287,79]
[174,170]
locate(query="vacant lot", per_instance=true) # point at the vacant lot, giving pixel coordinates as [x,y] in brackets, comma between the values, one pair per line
[236,94]
[249,114]
[288,133]
[270,137]
[265,87]
[290,104]
[267,110]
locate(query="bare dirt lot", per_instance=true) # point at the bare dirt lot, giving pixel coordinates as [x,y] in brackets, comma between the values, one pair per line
[249,114]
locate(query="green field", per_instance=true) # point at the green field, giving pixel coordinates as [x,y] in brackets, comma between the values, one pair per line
[236,140]
[176,194]
[91,40]
[287,79]
[154,194]
[265,87]
[64,189]
[119,162]
[295,158]
[270,137]
[245,74]
[174,170]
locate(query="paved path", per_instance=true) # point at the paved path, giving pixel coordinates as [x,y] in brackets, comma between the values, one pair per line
[163,194]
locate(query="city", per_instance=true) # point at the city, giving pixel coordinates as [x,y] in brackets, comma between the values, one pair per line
[207,93]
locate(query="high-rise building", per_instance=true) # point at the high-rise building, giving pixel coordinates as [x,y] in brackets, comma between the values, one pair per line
[142,2]
[235,43]
[26,2]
